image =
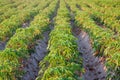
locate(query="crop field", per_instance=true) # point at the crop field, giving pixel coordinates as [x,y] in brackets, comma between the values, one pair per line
[59,39]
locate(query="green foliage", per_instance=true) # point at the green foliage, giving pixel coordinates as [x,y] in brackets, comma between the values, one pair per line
[103,39]
[63,60]
[17,47]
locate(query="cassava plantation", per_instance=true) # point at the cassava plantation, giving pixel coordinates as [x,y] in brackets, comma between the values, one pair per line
[59,39]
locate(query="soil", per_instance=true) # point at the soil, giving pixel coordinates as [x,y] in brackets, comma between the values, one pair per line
[31,65]
[79,7]
[2,45]
[99,24]
[94,68]
[26,24]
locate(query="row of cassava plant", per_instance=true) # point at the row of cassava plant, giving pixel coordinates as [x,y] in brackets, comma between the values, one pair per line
[18,46]
[105,15]
[9,26]
[19,8]
[63,61]
[103,40]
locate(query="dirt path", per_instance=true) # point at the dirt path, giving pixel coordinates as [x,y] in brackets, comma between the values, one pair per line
[23,25]
[2,45]
[27,23]
[94,68]
[32,64]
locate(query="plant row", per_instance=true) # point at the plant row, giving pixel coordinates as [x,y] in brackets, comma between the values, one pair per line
[106,16]
[8,4]
[2,3]
[9,26]
[18,9]
[63,61]
[102,40]
[18,46]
